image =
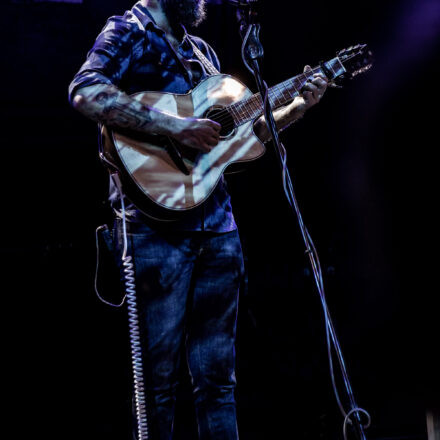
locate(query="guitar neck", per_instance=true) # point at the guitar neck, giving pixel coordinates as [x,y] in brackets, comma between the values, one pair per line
[283,93]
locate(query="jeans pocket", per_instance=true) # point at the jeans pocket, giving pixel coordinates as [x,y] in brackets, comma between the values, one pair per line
[105,238]
[107,278]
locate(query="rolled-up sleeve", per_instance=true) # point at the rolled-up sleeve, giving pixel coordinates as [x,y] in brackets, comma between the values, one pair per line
[110,56]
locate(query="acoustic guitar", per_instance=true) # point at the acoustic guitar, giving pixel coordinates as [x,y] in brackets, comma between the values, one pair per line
[165,179]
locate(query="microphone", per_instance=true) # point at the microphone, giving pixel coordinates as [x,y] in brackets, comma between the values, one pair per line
[236,3]
[242,3]
[247,11]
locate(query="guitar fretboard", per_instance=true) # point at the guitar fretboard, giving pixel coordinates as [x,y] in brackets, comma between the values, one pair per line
[251,108]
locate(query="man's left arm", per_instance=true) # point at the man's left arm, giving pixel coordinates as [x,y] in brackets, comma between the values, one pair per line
[311,94]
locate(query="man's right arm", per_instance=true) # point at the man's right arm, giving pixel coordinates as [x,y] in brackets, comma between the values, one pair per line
[94,90]
[109,105]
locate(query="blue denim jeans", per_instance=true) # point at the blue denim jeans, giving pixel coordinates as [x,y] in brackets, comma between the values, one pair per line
[187,289]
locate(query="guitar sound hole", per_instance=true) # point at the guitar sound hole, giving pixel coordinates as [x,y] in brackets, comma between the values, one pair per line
[224,118]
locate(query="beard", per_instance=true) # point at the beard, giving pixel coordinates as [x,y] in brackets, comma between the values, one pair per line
[187,12]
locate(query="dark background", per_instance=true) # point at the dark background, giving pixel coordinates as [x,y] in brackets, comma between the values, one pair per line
[364,169]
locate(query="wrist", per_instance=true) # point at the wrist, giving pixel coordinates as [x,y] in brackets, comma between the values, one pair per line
[298,108]
[292,113]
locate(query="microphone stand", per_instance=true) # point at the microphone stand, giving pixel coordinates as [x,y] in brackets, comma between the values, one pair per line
[252,52]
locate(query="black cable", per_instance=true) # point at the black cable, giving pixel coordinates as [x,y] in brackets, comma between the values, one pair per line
[331,337]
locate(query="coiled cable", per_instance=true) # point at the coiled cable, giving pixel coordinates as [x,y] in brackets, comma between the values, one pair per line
[133,324]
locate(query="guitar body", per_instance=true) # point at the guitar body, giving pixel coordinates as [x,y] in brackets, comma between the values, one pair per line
[152,179]
[164,179]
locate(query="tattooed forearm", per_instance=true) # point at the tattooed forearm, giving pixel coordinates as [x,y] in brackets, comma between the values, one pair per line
[114,108]
[113,111]
[109,105]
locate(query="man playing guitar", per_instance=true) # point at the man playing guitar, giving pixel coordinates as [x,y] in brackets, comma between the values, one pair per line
[187,271]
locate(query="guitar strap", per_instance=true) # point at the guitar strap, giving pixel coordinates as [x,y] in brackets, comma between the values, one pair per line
[210,68]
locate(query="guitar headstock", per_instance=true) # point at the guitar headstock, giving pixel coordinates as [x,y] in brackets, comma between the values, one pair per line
[355,59]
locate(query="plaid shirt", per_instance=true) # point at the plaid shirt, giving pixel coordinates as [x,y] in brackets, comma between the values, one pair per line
[133,53]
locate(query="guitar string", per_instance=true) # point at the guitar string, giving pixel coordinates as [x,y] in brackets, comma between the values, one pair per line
[278,89]
[249,107]
[255,110]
